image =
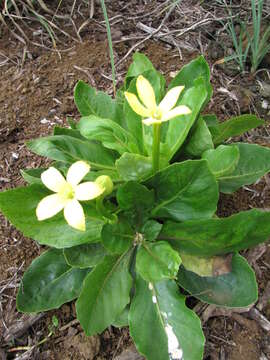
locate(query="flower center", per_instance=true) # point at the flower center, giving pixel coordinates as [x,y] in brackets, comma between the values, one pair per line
[67,192]
[157,114]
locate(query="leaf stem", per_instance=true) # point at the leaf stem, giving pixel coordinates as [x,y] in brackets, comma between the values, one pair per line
[156,147]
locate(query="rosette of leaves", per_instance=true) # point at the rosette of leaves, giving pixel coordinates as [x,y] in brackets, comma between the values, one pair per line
[163,234]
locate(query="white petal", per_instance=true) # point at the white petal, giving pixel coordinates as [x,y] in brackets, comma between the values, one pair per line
[77,172]
[146,93]
[88,191]
[74,215]
[151,121]
[53,179]
[179,110]
[170,99]
[49,206]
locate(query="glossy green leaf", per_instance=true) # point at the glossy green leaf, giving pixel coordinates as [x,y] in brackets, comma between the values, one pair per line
[235,289]
[19,206]
[84,256]
[218,236]
[117,238]
[158,312]
[105,294]
[157,261]
[184,191]
[49,282]
[90,102]
[197,68]
[109,133]
[32,176]
[200,139]
[222,160]
[236,126]
[151,230]
[134,167]
[133,195]
[254,162]
[179,126]
[69,149]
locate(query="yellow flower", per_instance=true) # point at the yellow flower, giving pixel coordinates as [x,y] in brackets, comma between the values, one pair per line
[68,193]
[148,108]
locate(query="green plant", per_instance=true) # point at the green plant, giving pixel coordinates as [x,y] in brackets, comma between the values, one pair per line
[157,167]
[257,44]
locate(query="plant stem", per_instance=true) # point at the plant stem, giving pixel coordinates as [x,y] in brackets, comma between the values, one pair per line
[156,147]
[109,36]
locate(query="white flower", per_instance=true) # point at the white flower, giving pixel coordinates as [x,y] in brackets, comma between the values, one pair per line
[148,108]
[67,195]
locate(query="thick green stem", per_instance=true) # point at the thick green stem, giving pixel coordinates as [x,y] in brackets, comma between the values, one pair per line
[156,147]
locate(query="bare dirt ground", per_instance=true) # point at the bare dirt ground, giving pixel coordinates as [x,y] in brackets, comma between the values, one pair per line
[36,91]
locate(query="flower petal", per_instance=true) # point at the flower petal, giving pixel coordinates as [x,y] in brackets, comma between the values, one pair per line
[49,206]
[146,93]
[77,172]
[74,215]
[53,179]
[170,99]
[136,105]
[88,191]
[179,110]
[151,121]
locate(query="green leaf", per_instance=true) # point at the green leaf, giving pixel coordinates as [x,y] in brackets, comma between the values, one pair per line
[32,176]
[134,167]
[19,206]
[49,282]
[133,195]
[90,102]
[157,261]
[140,64]
[117,238]
[109,133]
[200,139]
[223,160]
[184,191]
[218,236]
[122,319]
[236,126]
[158,312]
[254,162]
[212,123]
[68,132]
[205,266]
[197,68]
[235,289]
[179,126]
[105,294]
[84,256]
[151,230]
[69,149]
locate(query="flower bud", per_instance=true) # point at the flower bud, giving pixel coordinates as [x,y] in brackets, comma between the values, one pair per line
[105,182]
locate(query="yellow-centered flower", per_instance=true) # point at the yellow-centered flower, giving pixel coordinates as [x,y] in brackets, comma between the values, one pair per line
[147,106]
[68,193]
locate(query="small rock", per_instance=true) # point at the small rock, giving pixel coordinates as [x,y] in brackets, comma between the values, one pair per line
[265,104]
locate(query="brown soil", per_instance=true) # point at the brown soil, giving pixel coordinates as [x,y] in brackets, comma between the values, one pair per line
[37,95]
